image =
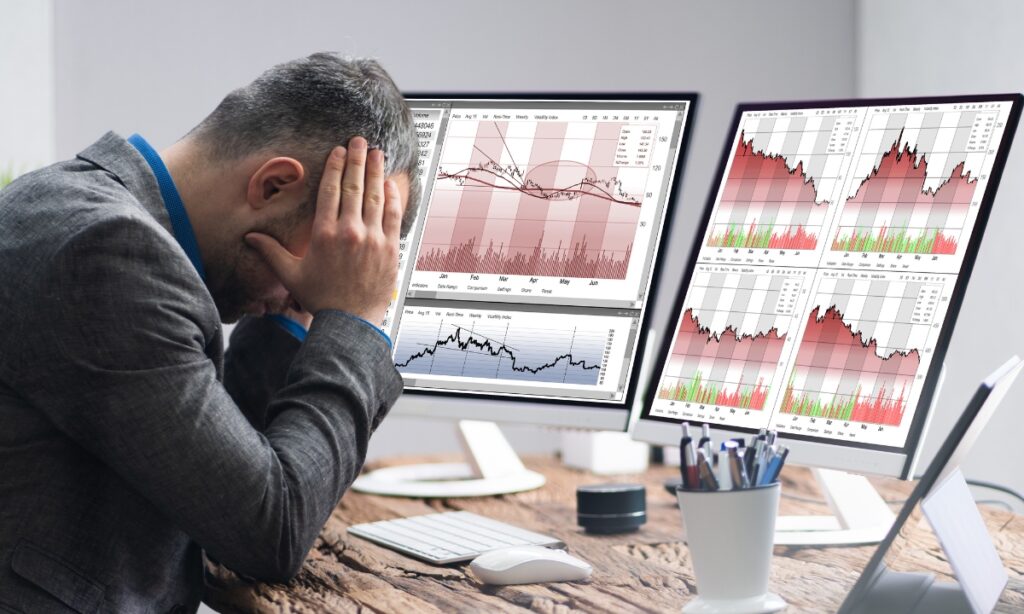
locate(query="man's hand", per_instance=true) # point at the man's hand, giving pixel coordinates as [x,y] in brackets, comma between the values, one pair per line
[351,264]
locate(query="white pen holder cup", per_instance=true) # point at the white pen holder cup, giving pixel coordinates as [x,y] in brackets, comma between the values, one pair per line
[730,535]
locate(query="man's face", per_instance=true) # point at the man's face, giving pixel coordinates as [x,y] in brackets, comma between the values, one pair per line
[247,285]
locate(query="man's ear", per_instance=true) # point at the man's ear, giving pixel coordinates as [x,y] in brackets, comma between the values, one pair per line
[278,180]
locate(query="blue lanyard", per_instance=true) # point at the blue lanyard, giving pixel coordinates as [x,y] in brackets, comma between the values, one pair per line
[180,223]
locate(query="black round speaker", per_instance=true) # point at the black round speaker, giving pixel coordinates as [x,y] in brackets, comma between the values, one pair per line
[611,508]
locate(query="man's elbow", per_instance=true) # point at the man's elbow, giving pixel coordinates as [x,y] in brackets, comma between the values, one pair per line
[280,569]
[285,572]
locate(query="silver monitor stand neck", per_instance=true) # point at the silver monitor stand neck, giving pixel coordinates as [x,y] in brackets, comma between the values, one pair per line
[492,467]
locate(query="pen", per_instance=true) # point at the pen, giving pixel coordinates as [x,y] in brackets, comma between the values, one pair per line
[691,475]
[722,470]
[758,461]
[707,476]
[687,460]
[737,472]
[747,456]
[771,473]
[686,436]
[705,439]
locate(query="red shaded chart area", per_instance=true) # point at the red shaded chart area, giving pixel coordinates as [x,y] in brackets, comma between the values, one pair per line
[840,375]
[730,368]
[893,212]
[543,215]
[767,204]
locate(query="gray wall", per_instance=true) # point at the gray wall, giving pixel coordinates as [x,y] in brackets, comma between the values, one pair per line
[158,68]
[26,93]
[975,48]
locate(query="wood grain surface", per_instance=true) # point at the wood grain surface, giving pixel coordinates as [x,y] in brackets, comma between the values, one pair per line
[644,571]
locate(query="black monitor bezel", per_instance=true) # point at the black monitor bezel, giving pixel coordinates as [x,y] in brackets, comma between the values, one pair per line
[674,195]
[956,298]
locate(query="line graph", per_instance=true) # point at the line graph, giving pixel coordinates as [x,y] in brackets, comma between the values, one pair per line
[894,210]
[917,180]
[779,185]
[729,341]
[513,346]
[700,376]
[868,387]
[862,350]
[540,198]
[492,174]
[464,340]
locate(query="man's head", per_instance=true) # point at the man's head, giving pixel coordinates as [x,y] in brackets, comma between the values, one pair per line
[255,163]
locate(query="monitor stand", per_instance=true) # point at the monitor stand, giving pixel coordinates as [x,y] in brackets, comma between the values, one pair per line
[860,515]
[492,468]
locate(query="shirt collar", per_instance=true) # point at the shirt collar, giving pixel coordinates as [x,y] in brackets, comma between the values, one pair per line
[181,226]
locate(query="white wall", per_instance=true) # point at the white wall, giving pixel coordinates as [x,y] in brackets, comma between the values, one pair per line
[26,85]
[922,47]
[158,68]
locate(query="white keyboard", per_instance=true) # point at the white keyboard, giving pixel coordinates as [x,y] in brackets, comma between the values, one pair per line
[448,537]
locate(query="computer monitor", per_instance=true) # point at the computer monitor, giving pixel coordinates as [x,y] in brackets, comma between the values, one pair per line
[528,276]
[526,281]
[832,259]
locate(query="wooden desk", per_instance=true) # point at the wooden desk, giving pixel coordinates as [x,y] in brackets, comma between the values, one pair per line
[644,571]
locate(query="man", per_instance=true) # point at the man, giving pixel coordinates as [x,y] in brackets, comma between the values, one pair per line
[128,445]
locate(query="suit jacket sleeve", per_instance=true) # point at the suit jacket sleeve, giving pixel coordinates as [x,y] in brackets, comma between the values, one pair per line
[256,365]
[121,368]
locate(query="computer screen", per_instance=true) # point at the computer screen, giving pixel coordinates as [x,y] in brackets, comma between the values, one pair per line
[830,267]
[529,270]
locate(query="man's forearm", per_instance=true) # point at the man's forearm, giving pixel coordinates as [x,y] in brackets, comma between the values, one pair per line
[256,365]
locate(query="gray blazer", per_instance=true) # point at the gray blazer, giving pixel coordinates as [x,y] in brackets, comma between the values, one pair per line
[128,444]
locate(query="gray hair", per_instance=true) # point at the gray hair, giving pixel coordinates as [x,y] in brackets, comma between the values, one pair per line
[306,107]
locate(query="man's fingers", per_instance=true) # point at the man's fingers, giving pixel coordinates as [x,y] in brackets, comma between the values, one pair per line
[352,181]
[393,208]
[373,191]
[328,200]
[282,262]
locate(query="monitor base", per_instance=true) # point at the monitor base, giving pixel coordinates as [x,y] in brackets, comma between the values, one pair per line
[443,480]
[492,468]
[861,515]
[769,602]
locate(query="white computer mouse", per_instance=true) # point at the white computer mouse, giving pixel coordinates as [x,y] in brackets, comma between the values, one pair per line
[528,565]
